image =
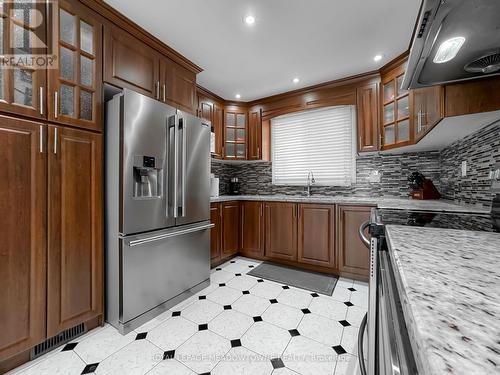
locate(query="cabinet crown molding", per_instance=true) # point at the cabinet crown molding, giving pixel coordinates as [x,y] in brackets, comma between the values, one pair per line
[117,18]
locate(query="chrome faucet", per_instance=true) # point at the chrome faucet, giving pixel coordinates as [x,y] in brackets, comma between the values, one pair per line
[310,182]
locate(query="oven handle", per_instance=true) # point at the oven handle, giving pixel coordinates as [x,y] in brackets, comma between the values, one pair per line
[362,228]
[361,354]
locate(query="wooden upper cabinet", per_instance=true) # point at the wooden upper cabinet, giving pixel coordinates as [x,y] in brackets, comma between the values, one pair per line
[213,111]
[368,120]
[22,89]
[215,232]
[395,119]
[129,63]
[205,108]
[252,229]
[75,88]
[427,109]
[178,86]
[316,234]
[75,253]
[281,230]
[482,95]
[353,255]
[235,133]
[23,233]
[230,228]
[217,127]
[254,134]
[133,64]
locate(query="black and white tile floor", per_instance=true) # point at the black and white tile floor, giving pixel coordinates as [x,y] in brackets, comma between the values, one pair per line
[238,325]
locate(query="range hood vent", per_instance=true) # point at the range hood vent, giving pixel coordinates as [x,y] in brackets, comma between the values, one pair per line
[486,64]
[476,23]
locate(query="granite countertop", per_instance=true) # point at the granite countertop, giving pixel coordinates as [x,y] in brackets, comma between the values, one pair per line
[380,202]
[449,284]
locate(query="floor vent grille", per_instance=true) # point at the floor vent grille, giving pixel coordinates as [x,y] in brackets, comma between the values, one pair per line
[61,338]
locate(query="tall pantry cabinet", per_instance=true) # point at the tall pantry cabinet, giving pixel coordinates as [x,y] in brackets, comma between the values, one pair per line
[51,254]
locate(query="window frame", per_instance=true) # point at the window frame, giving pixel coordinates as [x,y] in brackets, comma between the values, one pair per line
[353,145]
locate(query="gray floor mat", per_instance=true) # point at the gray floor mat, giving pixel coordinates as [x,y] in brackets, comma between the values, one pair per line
[309,280]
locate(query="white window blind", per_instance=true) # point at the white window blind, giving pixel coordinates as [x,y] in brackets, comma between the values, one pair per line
[321,141]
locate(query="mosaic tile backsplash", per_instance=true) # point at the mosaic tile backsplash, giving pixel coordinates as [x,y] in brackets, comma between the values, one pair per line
[256,178]
[481,150]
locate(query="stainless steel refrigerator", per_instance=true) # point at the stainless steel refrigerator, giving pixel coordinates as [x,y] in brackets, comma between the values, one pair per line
[157,208]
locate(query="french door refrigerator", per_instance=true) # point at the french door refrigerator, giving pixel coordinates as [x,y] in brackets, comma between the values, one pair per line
[157,208]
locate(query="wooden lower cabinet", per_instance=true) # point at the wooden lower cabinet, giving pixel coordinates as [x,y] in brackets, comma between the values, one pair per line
[230,228]
[252,229]
[353,255]
[316,234]
[318,237]
[23,234]
[215,232]
[75,238]
[51,257]
[281,230]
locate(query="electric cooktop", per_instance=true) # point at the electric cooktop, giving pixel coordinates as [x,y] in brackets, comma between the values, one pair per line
[464,221]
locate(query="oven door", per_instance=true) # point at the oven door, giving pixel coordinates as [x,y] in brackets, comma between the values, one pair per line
[394,352]
[369,322]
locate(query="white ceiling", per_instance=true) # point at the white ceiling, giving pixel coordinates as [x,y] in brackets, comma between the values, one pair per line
[316,40]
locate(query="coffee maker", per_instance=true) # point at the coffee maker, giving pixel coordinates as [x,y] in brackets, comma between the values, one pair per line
[234,186]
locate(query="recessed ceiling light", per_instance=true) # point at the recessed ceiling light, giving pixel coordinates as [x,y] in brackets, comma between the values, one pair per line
[296,80]
[377,58]
[448,49]
[237,96]
[249,20]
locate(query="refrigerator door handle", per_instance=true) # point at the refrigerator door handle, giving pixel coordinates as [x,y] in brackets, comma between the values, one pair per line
[167,182]
[161,237]
[176,165]
[183,168]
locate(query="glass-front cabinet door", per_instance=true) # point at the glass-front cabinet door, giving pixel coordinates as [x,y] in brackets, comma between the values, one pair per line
[395,111]
[75,87]
[235,134]
[22,75]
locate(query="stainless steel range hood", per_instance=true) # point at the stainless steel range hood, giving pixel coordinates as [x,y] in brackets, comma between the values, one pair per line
[473,24]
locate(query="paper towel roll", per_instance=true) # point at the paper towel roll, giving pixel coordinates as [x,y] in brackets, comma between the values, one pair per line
[214,187]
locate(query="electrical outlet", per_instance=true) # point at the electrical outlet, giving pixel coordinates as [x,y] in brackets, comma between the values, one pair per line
[464,168]
[375,176]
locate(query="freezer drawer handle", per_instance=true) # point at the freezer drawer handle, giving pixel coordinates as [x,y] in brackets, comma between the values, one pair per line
[168,235]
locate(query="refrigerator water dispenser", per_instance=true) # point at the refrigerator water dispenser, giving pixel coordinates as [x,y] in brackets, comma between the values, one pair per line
[148,177]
